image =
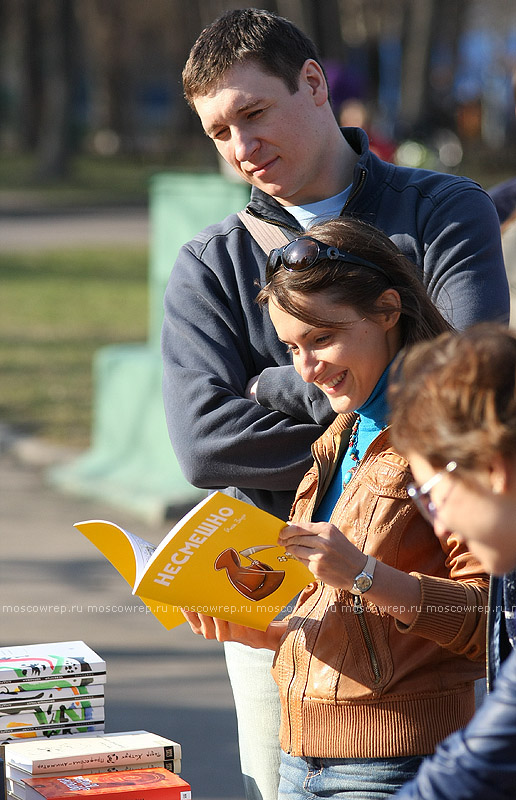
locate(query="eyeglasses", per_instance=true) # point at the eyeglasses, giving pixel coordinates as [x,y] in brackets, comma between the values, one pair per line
[305,252]
[421,495]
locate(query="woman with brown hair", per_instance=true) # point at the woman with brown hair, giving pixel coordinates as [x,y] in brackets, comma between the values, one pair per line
[462,453]
[379,657]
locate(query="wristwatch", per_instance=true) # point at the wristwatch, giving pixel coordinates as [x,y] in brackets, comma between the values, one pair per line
[364,580]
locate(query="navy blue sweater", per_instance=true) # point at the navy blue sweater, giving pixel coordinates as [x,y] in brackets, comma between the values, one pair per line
[215,338]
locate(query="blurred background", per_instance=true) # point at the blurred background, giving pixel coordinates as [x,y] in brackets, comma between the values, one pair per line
[101,78]
[91,109]
[104,173]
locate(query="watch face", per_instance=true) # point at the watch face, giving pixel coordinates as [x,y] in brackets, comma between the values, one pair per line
[363,582]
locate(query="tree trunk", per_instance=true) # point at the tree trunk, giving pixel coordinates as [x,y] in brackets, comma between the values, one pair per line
[57,63]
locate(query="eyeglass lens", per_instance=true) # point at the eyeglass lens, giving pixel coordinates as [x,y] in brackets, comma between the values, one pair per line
[300,254]
[426,506]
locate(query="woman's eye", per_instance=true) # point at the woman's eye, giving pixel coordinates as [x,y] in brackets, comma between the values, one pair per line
[322,339]
[292,349]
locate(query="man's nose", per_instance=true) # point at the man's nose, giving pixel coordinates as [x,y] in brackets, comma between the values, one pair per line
[244,145]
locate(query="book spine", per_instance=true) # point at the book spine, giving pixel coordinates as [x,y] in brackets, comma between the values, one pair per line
[53,680]
[18,775]
[18,734]
[180,790]
[49,709]
[24,696]
[59,717]
[138,756]
[14,777]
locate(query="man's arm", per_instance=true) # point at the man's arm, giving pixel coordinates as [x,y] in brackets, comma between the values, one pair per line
[215,338]
[463,264]
[283,389]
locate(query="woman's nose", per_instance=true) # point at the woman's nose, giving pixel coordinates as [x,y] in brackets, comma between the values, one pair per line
[309,367]
[440,530]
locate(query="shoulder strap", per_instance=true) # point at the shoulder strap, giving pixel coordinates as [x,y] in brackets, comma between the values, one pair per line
[267,234]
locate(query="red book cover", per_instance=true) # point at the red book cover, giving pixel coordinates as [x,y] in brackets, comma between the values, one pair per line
[135,784]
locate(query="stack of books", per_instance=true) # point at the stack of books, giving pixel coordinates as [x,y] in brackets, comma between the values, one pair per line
[50,689]
[65,763]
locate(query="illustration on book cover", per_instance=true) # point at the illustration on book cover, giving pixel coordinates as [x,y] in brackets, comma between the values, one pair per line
[256,580]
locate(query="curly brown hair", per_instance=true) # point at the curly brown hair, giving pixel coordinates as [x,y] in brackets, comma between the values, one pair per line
[455,398]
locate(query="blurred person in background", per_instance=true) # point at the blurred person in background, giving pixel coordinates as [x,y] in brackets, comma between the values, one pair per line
[260,91]
[354,113]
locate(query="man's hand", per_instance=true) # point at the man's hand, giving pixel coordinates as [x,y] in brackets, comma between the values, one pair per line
[250,389]
[222,631]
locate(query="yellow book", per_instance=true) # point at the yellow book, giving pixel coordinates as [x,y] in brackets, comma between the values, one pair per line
[221,559]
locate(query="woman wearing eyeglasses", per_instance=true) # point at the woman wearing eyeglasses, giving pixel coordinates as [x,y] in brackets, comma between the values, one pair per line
[463,456]
[378,660]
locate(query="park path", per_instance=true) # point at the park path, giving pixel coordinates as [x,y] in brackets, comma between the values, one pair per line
[54,586]
[74,228]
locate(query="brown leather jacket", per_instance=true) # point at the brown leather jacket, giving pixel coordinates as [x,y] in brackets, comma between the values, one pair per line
[363,685]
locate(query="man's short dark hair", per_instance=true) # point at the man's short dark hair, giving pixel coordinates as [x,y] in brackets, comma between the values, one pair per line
[247,34]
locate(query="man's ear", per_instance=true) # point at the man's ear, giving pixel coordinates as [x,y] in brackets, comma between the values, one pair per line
[313,75]
[391,301]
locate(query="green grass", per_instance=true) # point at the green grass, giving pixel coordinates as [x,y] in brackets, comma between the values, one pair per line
[56,310]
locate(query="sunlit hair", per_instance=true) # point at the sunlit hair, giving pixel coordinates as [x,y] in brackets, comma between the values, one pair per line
[242,35]
[455,398]
[358,286]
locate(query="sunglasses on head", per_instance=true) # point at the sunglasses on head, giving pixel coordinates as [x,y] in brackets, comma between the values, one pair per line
[305,252]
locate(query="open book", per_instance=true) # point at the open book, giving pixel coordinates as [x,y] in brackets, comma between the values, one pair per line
[221,559]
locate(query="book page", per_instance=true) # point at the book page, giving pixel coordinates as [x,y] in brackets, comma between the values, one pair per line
[128,554]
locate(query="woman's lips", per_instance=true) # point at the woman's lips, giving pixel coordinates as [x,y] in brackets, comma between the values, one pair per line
[332,384]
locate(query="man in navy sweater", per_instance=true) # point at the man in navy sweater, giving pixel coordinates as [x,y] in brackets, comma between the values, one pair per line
[240,419]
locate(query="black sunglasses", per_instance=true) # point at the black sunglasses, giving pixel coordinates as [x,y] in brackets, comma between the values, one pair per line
[305,252]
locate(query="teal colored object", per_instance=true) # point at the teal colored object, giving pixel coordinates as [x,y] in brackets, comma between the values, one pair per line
[130,463]
[180,206]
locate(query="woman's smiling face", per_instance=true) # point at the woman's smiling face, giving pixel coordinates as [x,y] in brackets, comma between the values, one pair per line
[345,362]
[479,511]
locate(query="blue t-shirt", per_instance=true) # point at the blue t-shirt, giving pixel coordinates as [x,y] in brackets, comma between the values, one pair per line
[321,210]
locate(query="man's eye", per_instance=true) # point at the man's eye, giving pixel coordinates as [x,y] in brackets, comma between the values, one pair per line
[220,134]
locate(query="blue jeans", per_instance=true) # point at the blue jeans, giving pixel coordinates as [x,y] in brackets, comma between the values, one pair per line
[258,716]
[346,778]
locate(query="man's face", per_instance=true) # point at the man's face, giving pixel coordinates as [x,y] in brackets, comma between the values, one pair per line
[271,138]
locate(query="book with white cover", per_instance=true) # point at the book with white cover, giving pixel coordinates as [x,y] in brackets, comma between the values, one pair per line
[47,732]
[53,711]
[46,693]
[49,661]
[17,775]
[91,752]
